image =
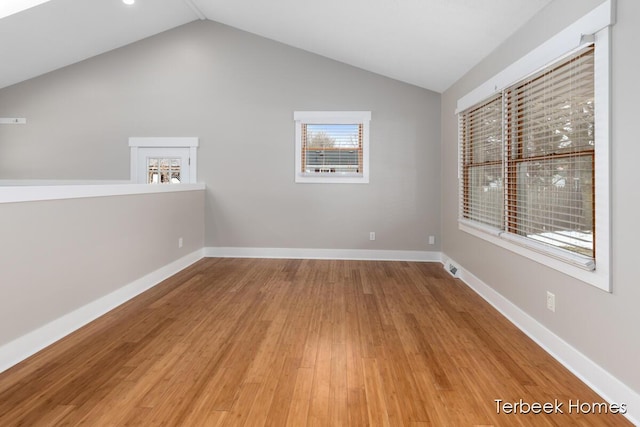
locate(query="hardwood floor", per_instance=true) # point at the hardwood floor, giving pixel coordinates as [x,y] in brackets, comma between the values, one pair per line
[296,342]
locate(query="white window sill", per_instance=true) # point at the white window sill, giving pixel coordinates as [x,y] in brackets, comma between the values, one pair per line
[43,191]
[599,277]
[331,178]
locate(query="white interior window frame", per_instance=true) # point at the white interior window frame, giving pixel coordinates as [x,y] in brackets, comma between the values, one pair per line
[136,143]
[331,117]
[594,27]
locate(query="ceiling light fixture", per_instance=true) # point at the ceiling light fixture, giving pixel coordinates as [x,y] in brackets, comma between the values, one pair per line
[128,2]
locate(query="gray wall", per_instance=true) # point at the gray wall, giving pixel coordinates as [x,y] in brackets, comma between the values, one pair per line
[57,256]
[602,326]
[237,92]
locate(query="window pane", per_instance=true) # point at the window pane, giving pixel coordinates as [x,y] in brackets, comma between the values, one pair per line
[553,113]
[484,201]
[332,160]
[551,122]
[484,132]
[555,202]
[332,148]
[333,136]
[152,171]
[163,166]
[481,156]
[175,171]
[163,170]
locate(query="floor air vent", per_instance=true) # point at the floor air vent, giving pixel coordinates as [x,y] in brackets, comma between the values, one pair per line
[452,269]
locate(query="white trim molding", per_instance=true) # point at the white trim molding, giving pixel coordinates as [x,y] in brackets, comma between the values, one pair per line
[597,378]
[27,345]
[163,141]
[305,253]
[550,51]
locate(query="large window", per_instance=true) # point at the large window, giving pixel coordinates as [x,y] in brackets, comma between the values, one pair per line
[550,132]
[528,158]
[534,156]
[332,146]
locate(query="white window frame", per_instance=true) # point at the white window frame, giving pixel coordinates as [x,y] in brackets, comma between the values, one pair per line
[332,117]
[592,27]
[162,148]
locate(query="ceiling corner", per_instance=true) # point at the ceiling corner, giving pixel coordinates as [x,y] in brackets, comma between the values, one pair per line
[195,9]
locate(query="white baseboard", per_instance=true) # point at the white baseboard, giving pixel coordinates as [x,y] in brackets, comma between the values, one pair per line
[601,381]
[25,346]
[304,253]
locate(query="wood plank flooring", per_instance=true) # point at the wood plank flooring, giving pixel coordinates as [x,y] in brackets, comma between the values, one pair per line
[245,342]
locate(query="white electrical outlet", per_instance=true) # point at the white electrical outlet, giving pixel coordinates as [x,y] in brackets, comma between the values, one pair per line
[432,240]
[372,235]
[551,301]
[180,242]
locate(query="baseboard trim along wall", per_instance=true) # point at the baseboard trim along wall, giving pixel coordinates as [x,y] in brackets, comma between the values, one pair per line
[601,381]
[304,253]
[27,345]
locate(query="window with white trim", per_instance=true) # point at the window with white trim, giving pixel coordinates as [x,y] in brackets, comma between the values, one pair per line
[166,160]
[529,152]
[332,146]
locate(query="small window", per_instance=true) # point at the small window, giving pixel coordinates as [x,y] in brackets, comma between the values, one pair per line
[332,146]
[163,160]
[163,170]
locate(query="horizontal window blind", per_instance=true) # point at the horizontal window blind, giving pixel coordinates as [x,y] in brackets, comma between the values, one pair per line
[482,163]
[527,159]
[332,148]
[551,139]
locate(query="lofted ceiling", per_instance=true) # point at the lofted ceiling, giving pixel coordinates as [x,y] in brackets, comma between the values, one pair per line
[428,43]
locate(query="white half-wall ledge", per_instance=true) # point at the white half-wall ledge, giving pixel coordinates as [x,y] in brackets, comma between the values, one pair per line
[36,192]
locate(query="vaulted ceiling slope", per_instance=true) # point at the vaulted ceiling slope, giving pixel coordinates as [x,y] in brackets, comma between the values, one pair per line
[428,43]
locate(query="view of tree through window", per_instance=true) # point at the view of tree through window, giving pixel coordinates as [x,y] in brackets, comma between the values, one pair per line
[527,157]
[332,148]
